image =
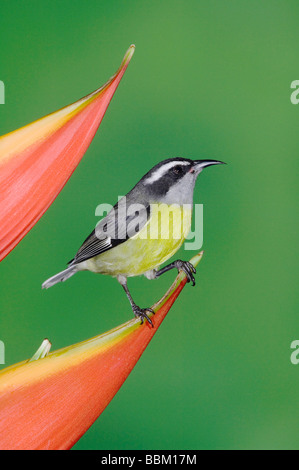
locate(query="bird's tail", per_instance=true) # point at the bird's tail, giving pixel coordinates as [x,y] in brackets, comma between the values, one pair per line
[60,277]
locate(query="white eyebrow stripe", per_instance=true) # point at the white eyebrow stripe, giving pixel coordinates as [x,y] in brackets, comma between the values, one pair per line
[161,171]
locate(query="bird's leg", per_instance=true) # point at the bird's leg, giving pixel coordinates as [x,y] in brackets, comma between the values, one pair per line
[180,265]
[138,312]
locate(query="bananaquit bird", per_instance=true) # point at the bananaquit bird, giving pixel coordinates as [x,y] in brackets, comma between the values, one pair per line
[136,236]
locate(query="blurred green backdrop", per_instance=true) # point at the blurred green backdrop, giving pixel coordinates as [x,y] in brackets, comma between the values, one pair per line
[209,79]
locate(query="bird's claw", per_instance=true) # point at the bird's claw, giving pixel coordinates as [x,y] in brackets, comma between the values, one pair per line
[188,269]
[142,314]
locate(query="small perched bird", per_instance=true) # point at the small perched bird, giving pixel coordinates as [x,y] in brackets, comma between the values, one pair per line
[143,230]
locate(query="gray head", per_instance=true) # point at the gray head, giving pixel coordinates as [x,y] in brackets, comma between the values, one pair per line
[172,181]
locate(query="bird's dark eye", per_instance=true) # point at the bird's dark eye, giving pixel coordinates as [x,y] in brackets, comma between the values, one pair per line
[178,170]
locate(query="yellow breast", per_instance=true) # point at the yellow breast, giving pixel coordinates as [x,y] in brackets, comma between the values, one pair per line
[163,234]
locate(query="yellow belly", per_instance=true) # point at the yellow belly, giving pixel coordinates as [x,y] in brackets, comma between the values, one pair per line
[159,239]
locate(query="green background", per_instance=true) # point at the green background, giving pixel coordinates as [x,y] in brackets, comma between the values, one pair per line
[209,79]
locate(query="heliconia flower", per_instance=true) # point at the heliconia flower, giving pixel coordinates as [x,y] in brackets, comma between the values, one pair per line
[37,160]
[50,401]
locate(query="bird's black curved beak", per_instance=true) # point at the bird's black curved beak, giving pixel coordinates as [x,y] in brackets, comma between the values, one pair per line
[201,164]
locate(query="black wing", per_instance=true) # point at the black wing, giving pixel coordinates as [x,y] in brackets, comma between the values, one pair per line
[118,226]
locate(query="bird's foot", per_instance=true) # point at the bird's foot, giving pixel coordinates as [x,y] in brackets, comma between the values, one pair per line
[187,268]
[142,314]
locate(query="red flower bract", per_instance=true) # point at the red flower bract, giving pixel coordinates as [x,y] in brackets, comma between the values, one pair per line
[37,160]
[49,403]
